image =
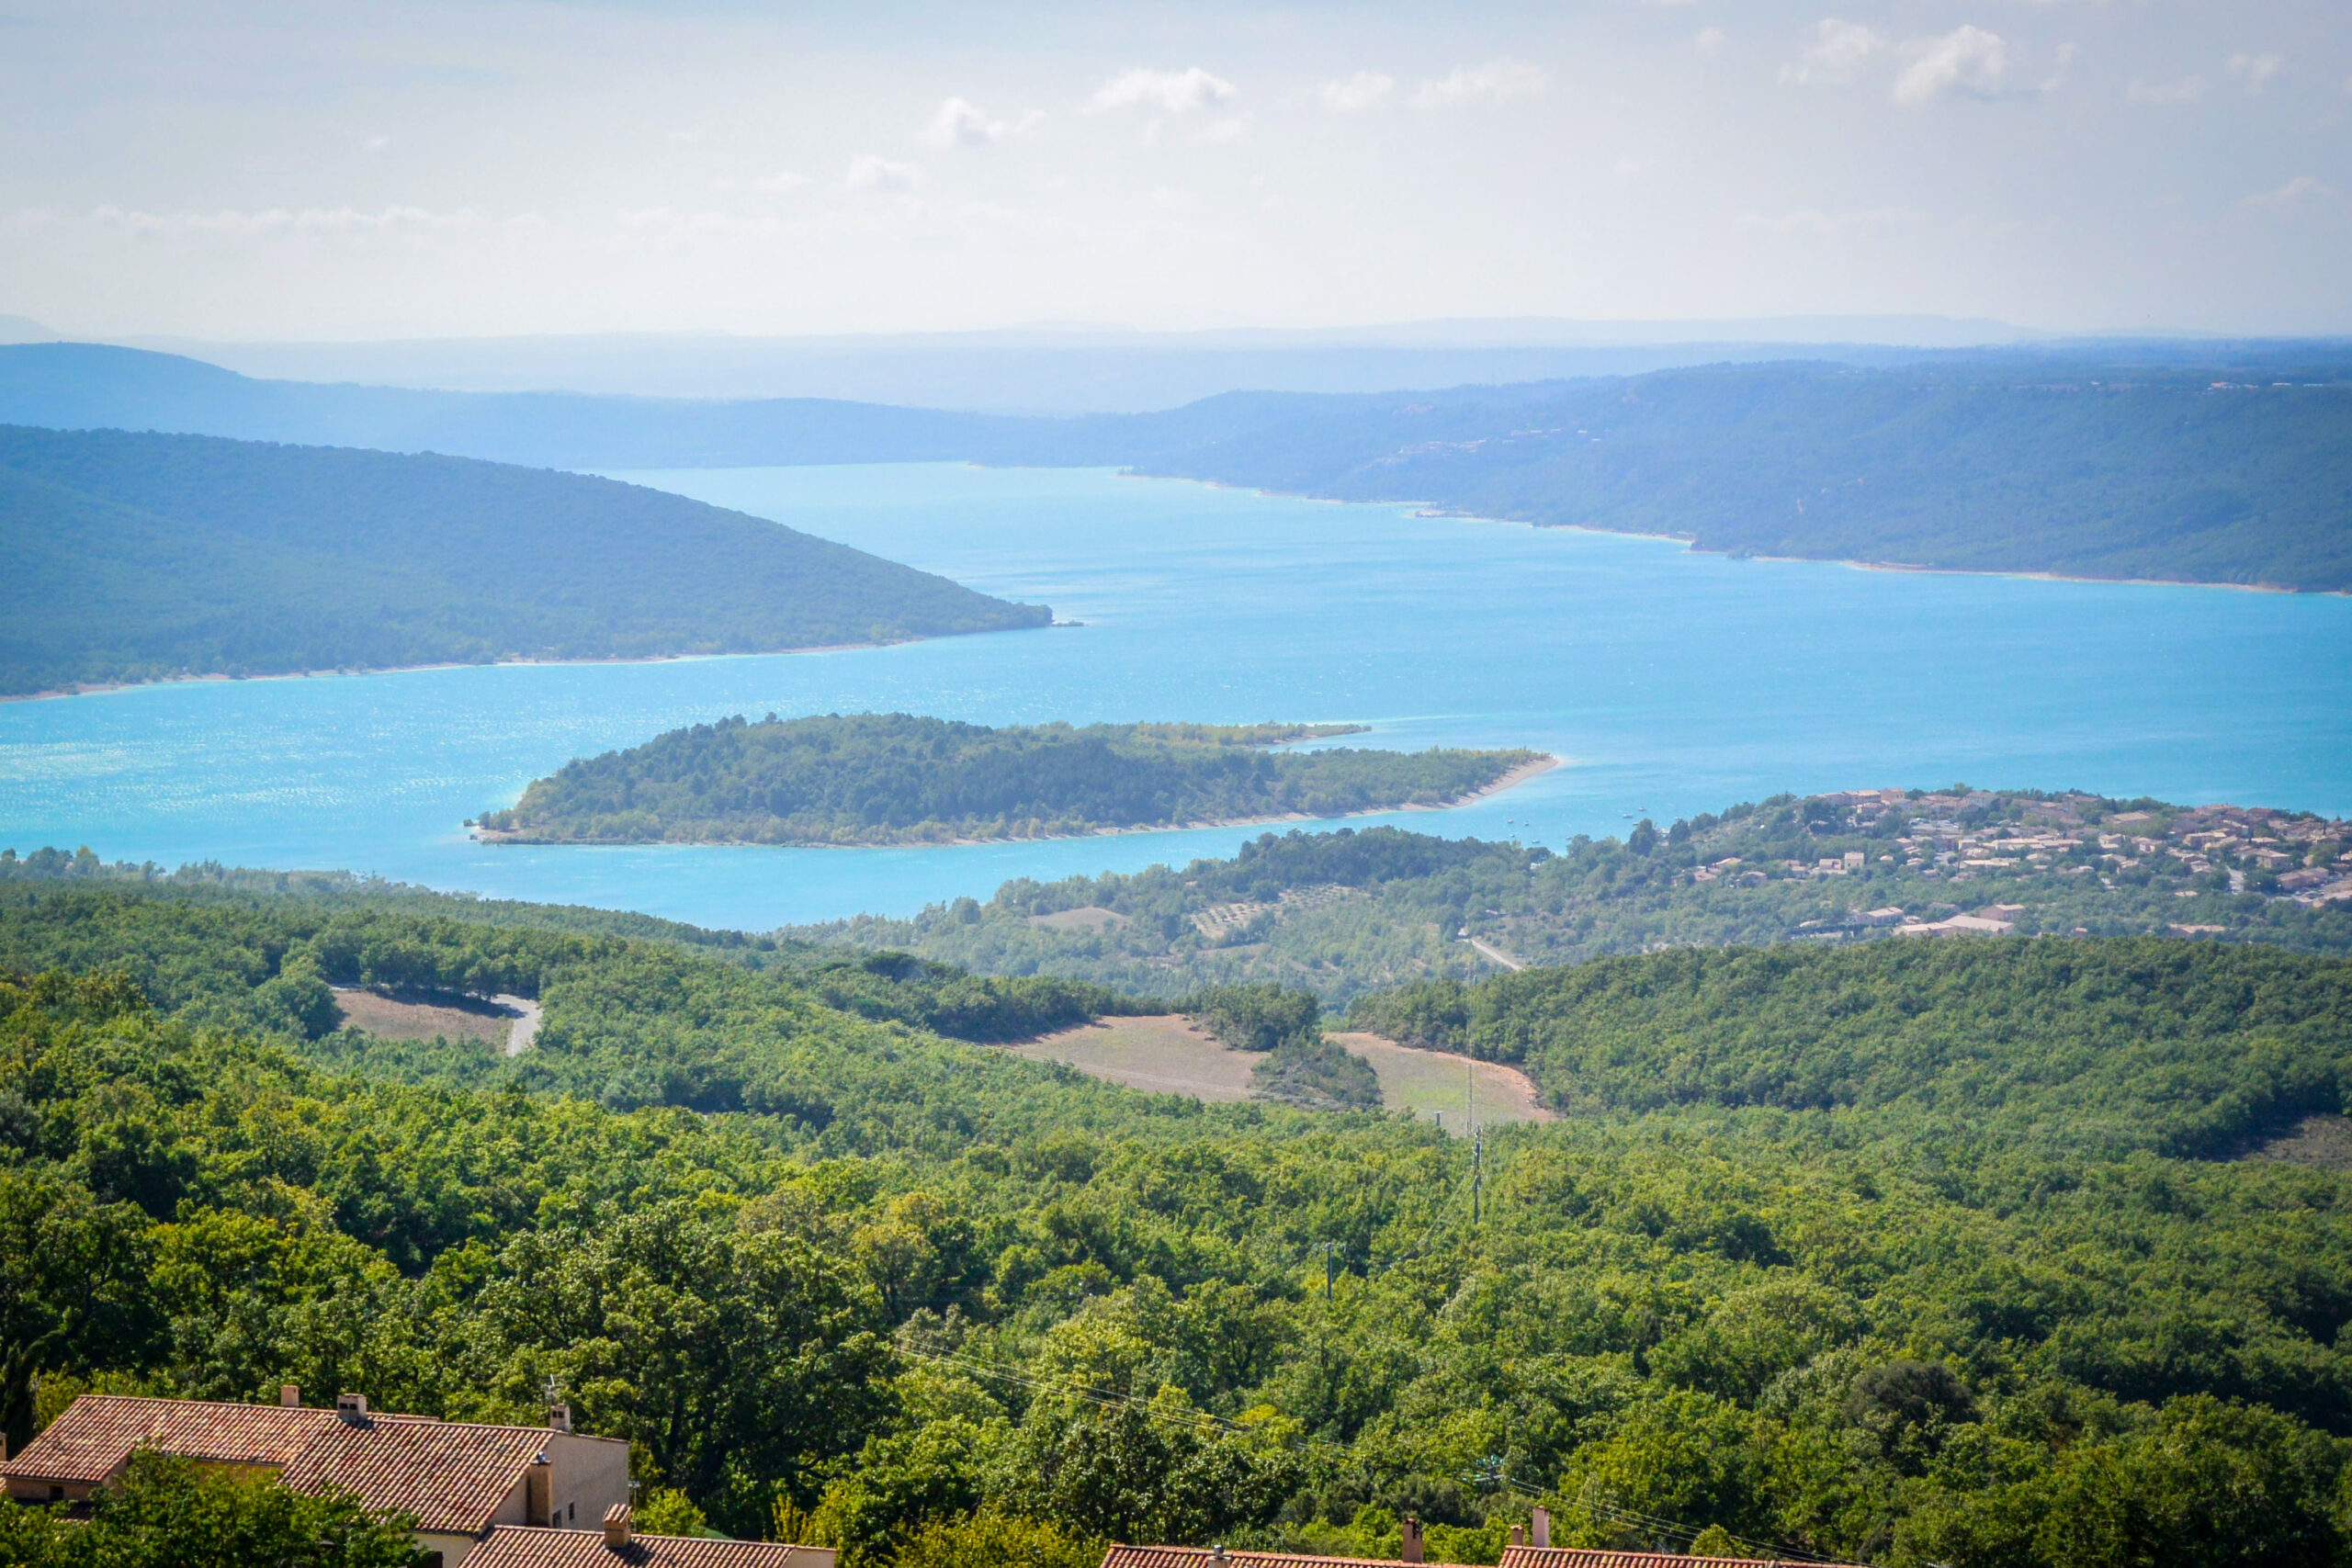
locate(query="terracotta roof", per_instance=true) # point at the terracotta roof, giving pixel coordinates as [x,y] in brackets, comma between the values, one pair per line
[451,1475]
[518,1546]
[1581,1557]
[1194,1556]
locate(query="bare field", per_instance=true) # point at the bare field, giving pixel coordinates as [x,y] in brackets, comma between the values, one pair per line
[1163,1054]
[410,1017]
[2316,1140]
[1166,1054]
[1436,1083]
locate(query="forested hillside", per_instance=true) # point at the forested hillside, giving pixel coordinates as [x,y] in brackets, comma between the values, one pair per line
[895,778]
[2204,463]
[2111,1046]
[2077,469]
[145,557]
[1344,913]
[1895,1255]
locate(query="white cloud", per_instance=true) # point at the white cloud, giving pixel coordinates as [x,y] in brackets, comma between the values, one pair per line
[784,182]
[1712,39]
[2255,70]
[872,172]
[2294,193]
[961,123]
[1223,131]
[1498,79]
[2188,90]
[377,144]
[1837,51]
[1361,91]
[1169,92]
[1967,60]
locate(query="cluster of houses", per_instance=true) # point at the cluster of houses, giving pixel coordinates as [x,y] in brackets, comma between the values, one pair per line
[1950,837]
[489,1496]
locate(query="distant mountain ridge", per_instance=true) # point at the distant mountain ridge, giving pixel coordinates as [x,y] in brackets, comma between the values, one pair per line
[1068,371]
[2221,463]
[145,557]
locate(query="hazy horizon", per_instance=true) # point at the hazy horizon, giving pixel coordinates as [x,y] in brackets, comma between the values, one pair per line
[271,171]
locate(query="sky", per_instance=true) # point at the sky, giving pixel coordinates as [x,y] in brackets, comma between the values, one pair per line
[343,170]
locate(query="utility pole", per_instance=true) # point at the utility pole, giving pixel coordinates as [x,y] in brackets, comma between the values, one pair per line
[1477,1142]
[1477,1174]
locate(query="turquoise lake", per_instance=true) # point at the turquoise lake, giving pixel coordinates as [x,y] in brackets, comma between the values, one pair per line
[1672,683]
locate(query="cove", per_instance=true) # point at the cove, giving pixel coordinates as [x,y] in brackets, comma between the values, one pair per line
[1673,682]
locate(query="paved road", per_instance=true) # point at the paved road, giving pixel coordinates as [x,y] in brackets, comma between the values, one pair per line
[526,1028]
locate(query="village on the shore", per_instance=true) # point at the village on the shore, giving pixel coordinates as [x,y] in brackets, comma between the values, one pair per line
[1955,838]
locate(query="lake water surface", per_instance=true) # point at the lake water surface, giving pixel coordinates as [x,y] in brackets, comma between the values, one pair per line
[1673,683]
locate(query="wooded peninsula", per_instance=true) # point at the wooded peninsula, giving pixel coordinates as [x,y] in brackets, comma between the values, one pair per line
[145,557]
[899,779]
[1350,911]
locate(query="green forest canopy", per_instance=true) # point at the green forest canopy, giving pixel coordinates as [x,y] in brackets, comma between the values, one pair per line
[143,556]
[1895,1254]
[895,778]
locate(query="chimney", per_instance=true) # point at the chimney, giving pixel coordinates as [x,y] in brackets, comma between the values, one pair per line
[1412,1538]
[560,1417]
[290,1395]
[616,1526]
[1540,1532]
[1518,1535]
[351,1407]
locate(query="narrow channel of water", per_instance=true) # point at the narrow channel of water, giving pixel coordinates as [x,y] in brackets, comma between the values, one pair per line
[1673,682]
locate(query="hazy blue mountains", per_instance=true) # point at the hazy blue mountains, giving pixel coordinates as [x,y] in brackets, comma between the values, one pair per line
[2207,463]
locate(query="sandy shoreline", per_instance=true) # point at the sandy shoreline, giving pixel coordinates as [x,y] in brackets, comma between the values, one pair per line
[1515,777]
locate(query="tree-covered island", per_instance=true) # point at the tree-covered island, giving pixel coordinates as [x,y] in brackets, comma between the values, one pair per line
[899,779]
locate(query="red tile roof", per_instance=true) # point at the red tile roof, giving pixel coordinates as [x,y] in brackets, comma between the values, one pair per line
[1582,1557]
[450,1476]
[517,1546]
[1195,1556]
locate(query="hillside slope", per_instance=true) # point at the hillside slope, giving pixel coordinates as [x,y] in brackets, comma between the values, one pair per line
[145,557]
[1892,1256]
[1344,913]
[2071,468]
[2227,462]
